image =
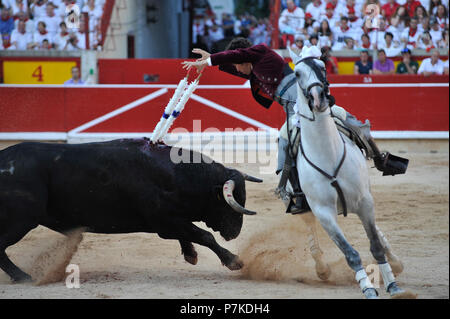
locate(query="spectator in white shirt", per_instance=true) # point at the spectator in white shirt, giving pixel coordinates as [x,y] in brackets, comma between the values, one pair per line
[365,42]
[349,44]
[388,46]
[38,8]
[19,6]
[411,34]
[446,67]
[332,18]
[442,16]
[30,26]
[444,43]
[394,31]
[432,66]
[60,40]
[291,22]
[325,34]
[51,20]
[425,42]
[316,8]
[41,35]
[76,40]
[435,31]
[341,32]
[377,35]
[20,38]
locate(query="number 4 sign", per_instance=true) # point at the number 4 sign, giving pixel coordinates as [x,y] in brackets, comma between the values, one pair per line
[38,74]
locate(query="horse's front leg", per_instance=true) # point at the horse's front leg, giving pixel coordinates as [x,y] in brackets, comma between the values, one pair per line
[322,269]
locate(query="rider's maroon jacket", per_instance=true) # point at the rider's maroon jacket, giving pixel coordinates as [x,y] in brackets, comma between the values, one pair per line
[268,69]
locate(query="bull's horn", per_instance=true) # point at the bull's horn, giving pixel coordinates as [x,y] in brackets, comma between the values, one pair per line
[228,188]
[251,178]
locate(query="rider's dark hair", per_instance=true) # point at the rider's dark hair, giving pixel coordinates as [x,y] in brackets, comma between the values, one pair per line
[239,43]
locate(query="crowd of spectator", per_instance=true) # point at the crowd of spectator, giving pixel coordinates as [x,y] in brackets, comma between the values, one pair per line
[335,25]
[400,26]
[345,24]
[212,33]
[41,25]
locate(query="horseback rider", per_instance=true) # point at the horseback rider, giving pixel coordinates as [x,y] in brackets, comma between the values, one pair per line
[272,79]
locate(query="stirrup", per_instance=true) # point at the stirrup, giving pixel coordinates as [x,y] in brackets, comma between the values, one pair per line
[390,164]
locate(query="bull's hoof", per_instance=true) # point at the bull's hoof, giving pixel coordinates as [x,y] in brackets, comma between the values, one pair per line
[236,264]
[22,279]
[191,259]
[323,271]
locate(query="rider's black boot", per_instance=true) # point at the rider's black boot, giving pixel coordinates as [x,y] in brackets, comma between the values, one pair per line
[298,203]
[386,162]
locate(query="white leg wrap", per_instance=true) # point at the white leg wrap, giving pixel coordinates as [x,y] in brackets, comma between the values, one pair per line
[363,280]
[386,273]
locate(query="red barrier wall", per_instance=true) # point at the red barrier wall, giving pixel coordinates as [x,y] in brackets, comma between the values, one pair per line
[390,107]
[169,71]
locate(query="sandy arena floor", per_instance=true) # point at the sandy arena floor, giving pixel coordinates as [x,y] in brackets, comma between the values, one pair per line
[412,210]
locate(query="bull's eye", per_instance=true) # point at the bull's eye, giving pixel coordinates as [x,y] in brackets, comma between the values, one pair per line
[297,74]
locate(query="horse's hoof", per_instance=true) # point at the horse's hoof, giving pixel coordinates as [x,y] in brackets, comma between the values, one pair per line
[236,264]
[191,259]
[370,293]
[398,293]
[323,272]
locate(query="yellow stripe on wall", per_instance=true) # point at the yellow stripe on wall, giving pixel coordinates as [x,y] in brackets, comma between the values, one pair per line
[37,72]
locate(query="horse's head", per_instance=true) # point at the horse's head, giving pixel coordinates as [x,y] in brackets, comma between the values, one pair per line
[311,78]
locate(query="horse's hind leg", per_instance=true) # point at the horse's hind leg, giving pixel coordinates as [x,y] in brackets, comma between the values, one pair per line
[367,216]
[327,218]
[322,269]
[393,260]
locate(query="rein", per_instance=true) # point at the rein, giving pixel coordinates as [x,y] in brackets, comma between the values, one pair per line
[333,177]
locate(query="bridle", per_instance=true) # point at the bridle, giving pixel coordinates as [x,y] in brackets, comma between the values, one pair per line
[323,83]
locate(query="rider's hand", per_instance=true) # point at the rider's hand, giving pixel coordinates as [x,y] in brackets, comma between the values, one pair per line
[199,65]
[205,55]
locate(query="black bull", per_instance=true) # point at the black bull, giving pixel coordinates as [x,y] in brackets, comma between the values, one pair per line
[120,186]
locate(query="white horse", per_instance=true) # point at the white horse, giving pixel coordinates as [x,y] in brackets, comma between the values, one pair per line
[333,173]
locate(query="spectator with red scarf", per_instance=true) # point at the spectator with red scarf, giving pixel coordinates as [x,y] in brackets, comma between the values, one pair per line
[389,9]
[365,41]
[411,6]
[411,34]
[316,8]
[330,16]
[5,44]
